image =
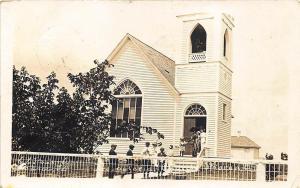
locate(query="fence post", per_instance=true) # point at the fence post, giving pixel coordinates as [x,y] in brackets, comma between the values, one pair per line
[260,172]
[100,167]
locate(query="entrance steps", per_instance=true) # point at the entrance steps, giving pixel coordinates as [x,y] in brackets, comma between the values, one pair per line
[184,165]
[181,166]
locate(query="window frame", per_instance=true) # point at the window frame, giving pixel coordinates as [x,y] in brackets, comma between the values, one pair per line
[224,111]
[202,29]
[123,97]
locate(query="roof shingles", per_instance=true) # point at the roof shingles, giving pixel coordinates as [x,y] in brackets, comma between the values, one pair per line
[243,142]
[163,63]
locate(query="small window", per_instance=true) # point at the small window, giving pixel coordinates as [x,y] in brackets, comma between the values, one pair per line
[224,112]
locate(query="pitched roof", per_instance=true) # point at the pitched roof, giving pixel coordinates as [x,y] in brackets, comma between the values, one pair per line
[243,142]
[163,64]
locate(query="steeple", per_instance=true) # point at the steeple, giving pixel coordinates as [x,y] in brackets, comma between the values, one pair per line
[205,37]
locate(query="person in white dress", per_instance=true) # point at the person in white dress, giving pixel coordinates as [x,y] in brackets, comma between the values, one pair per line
[146,162]
[203,138]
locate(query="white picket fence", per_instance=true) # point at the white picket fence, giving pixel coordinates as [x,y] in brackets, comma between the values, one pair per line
[57,165]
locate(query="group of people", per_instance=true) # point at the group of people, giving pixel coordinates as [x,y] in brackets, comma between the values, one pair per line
[198,140]
[155,151]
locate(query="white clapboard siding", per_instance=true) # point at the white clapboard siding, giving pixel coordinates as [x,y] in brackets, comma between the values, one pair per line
[209,102]
[158,99]
[225,81]
[197,77]
[224,128]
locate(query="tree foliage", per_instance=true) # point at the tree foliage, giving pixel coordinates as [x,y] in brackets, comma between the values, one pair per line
[91,99]
[47,118]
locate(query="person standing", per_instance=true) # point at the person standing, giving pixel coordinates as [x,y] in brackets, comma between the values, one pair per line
[113,162]
[182,146]
[203,138]
[199,145]
[171,151]
[146,162]
[194,141]
[170,155]
[130,162]
[161,163]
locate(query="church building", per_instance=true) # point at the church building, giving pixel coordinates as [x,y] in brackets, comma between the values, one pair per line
[175,96]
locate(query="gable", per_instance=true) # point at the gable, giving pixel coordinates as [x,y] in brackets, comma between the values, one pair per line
[162,65]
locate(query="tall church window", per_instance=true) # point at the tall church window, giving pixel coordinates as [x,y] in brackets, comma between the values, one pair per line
[127,108]
[198,39]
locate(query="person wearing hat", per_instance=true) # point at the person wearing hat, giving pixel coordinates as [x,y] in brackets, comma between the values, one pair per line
[130,162]
[161,163]
[113,162]
[146,162]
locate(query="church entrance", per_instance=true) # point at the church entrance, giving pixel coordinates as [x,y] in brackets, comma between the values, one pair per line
[194,120]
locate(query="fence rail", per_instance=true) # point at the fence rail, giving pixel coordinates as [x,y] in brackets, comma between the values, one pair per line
[32,164]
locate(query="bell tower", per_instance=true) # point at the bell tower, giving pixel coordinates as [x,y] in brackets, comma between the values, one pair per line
[204,75]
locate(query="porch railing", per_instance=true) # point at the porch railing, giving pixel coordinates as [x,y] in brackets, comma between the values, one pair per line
[31,164]
[197,57]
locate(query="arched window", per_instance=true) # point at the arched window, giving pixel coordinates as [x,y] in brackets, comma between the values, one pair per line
[127,87]
[195,110]
[198,39]
[225,45]
[127,108]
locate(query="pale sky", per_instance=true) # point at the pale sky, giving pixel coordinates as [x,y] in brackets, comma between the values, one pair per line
[67,36]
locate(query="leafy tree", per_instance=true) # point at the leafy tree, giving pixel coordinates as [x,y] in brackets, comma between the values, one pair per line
[44,108]
[91,99]
[66,127]
[25,90]
[32,109]
[76,123]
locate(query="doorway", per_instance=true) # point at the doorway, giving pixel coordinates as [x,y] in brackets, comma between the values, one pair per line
[194,120]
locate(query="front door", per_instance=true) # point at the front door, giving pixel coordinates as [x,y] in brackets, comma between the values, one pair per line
[189,123]
[197,123]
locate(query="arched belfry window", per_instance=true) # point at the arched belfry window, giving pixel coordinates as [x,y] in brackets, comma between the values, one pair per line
[225,45]
[198,39]
[195,110]
[127,108]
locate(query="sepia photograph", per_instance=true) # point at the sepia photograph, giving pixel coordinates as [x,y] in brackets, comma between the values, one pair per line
[150,93]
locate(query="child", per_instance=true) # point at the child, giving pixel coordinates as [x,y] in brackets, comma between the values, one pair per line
[130,162]
[171,151]
[161,163]
[182,146]
[146,162]
[113,162]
